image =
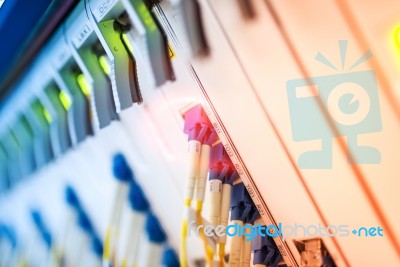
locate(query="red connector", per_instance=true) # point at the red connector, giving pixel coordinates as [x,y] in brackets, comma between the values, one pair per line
[198,126]
[221,166]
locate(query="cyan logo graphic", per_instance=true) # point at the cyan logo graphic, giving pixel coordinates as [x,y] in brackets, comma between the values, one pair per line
[351,101]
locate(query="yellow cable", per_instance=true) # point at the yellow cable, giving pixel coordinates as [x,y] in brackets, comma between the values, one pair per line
[184,233]
[183,252]
[124,263]
[221,253]
[199,219]
[107,245]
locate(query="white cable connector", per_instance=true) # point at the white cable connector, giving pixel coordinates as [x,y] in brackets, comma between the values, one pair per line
[225,207]
[111,239]
[200,137]
[236,247]
[135,228]
[215,187]
[80,245]
[120,197]
[152,254]
[194,149]
[67,234]
[245,258]
[203,172]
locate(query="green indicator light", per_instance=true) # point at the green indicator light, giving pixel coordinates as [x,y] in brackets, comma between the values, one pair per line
[105,65]
[146,17]
[126,42]
[396,36]
[47,115]
[84,84]
[65,100]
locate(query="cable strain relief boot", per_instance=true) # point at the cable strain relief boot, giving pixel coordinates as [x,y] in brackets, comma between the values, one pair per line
[197,124]
[154,230]
[71,197]
[241,203]
[121,169]
[253,215]
[97,247]
[137,199]
[265,251]
[84,223]
[231,179]
[170,259]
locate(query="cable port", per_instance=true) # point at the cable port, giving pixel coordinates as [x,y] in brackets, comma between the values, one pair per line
[314,253]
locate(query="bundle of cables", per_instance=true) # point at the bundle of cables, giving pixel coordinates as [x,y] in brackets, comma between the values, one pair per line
[221,177]
[201,135]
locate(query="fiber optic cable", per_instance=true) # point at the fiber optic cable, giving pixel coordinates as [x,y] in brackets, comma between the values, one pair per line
[97,248]
[221,177]
[220,169]
[8,241]
[139,207]
[123,175]
[43,231]
[73,204]
[265,251]
[88,241]
[169,259]
[74,238]
[156,237]
[224,215]
[241,206]
[245,258]
[86,238]
[75,242]
[197,127]
[86,231]
[200,187]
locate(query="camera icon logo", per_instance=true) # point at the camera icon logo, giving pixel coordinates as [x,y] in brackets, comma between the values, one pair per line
[352,104]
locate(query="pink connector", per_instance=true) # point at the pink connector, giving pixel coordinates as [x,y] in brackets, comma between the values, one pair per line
[198,126]
[221,166]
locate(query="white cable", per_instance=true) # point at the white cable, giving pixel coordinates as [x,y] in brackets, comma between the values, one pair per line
[5,250]
[203,171]
[225,207]
[215,188]
[236,247]
[120,196]
[245,258]
[54,256]
[80,245]
[194,149]
[112,234]
[152,254]
[135,229]
[261,222]
[67,232]
[36,251]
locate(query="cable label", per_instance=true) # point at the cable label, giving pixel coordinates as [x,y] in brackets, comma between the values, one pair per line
[215,186]
[82,35]
[102,9]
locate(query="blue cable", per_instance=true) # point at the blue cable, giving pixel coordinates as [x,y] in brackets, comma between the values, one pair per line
[170,258]
[42,228]
[154,230]
[121,169]
[137,199]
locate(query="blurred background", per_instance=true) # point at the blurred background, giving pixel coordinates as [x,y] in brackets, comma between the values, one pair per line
[126,123]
